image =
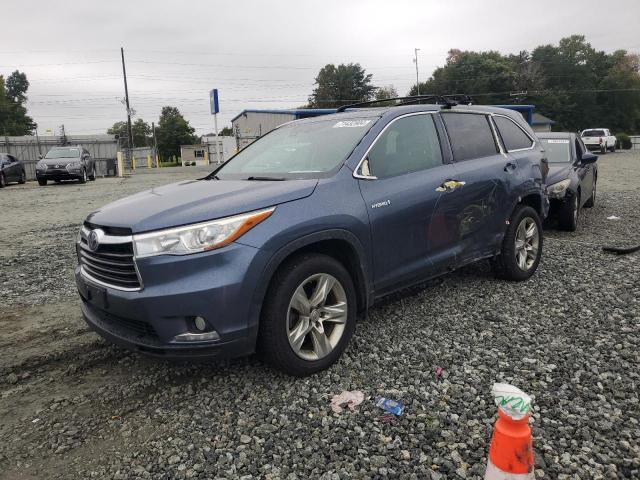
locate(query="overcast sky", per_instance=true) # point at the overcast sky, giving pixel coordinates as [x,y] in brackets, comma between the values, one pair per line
[262,54]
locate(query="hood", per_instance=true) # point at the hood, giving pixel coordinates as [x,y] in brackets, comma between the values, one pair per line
[51,162]
[558,172]
[195,201]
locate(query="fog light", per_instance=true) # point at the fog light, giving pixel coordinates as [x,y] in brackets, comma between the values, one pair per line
[200,323]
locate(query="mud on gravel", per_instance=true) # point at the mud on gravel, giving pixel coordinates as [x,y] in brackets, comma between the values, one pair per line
[73,406]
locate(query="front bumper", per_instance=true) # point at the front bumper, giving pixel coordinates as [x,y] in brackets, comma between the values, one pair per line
[62,174]
[218,286]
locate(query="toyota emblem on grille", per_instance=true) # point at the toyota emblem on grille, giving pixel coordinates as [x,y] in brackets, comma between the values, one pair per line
[94,240]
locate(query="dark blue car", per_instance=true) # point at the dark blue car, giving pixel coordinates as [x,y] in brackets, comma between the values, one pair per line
[285,245]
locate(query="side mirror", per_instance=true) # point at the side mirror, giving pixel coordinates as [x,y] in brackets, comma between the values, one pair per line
[588,158]
[40,156]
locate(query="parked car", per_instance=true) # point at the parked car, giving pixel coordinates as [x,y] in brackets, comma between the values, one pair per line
[11,170]
[573,176]
[66,163]
[282,246]
[599,139]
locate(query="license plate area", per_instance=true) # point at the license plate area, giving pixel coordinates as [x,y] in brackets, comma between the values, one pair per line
[94,294]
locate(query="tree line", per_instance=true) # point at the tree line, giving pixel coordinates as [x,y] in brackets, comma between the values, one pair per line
[572,83]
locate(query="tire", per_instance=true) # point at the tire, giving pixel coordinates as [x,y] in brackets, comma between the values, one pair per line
[23,178]
[506,264]
[568,217]
[83,178]
[92,177]
[320,340]
[592,199]
[3,180]
[613,148]
[42,182]
[603,149]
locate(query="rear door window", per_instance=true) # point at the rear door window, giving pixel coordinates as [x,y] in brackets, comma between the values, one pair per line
[470,134]
[512,135]
[409,144]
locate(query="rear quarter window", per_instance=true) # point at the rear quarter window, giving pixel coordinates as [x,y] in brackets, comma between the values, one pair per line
[512,135]
[470,134]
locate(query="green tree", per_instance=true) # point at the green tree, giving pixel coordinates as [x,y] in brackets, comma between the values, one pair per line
[571,82]
[226,131]
[140,130]
[341,85]
[13,114]
[172,131]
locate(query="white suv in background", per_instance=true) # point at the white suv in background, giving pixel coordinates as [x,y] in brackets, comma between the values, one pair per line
[599,139]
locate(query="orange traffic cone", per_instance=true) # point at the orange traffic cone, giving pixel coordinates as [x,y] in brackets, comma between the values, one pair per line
[511,451]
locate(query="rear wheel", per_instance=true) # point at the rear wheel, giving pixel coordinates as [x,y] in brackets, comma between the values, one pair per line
[23,177]
[308,315]
[92,177]
[613,148]
[42,182]
[569,214]
[521,246]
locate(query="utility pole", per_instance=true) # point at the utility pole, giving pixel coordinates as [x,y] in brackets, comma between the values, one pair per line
[155,144]
[63,135]
[415,60]
[126,97]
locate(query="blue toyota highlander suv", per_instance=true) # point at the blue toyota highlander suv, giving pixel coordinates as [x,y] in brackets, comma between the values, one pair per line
[283,247]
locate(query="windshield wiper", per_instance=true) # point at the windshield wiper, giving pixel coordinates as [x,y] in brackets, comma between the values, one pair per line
[267,179]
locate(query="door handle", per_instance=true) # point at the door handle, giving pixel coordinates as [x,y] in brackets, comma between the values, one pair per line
[450,185]
[510,166]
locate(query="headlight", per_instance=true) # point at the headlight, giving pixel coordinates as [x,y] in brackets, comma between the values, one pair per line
[74,166]
[557,190]
[199,237]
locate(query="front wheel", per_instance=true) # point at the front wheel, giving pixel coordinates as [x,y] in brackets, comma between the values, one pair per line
[3,180]
[592,199]
[83,178]
[613,148]
[308,316]
[42,182]
[92,177]
[569,214]
[23,178]
[603,149]
[521,246]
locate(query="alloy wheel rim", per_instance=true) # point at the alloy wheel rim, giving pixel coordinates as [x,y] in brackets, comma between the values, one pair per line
[527,243]
[317,316]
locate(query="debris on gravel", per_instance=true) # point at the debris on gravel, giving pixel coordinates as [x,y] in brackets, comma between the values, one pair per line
[74,406]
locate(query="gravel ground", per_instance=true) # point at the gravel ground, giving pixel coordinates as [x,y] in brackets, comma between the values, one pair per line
[73,406]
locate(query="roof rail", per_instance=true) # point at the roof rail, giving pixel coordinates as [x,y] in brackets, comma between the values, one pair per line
[447,101]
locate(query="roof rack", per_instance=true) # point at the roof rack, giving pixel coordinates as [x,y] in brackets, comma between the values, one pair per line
[447,101]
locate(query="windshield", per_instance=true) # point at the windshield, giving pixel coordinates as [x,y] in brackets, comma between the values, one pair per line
[593,133]
[558,150]
[63,153]
[298,150]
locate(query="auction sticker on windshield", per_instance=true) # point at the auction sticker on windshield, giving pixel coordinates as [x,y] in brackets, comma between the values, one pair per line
[351,123]
[557,141]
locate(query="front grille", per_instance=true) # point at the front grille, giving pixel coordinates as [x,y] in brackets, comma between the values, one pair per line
[111,263]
